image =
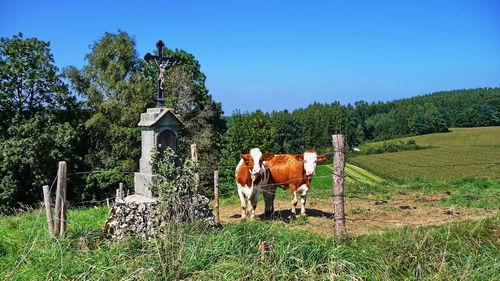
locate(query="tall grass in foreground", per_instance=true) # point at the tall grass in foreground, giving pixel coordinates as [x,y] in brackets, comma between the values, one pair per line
[466,250]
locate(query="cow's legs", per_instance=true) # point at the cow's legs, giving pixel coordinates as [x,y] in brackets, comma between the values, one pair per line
[253,203]
[269,201]
[250,209]
[294,200]
[303,199]
[243,203]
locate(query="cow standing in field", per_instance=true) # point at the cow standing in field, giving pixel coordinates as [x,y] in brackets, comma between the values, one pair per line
[250,174]
[294,171]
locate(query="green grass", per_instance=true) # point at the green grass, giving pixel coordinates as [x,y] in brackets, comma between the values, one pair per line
[323,182]
[461,153]
[466,250]
[464,192]
[478,136]
[354,175]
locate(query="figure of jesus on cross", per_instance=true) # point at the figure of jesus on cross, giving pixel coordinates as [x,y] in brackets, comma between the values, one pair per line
[162,62]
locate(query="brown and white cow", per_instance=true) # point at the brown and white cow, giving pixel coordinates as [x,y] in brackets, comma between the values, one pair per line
[294,171]
[250,175]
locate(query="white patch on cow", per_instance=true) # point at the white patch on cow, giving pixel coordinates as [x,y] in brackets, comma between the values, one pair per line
[265,175]
[303,189]
[310,160]
[303,198]
[238,168]
[256,155]
[248,191]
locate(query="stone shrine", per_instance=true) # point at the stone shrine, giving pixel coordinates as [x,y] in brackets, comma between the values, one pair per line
[139,214]
[159,129]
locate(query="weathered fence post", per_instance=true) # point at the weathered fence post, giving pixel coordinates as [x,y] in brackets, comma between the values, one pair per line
[216,197]
[338,142]
[122,190]
[48,208]
[120,193]
[61,208]
[194,158]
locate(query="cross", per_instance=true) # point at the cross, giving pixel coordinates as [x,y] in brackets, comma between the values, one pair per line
[162,62]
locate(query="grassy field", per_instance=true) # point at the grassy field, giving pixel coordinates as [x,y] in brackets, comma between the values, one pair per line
[464,192]
[461,153]
[359,182]
[466,250]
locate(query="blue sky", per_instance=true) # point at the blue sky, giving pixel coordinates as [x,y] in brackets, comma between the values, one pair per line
[275,55]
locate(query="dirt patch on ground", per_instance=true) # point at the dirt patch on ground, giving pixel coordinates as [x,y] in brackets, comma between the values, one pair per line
[366,216]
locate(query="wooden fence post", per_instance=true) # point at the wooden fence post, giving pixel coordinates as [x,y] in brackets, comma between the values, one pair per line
[122,190]
[48,208]
[120,193]
[216,197]
[338,142]
[194,158]
[61,208]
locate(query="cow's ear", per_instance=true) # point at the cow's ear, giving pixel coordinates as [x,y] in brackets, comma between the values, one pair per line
[321,158]
[299,157]
[267,156]
[245,157]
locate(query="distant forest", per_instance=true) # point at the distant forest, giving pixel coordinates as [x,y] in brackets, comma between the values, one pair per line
[312,127]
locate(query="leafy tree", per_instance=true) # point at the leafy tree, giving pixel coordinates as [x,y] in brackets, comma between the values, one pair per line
[115,92]
[118,86]
[187,94]
[288,133]
[29,81]
[37,126]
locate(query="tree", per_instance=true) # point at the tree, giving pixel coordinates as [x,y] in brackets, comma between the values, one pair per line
[115,92]
[35,131]
[118,86]
[29,81]
[288,132]
[187,94]
[29,157]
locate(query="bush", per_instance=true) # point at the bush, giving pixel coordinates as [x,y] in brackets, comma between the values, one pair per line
[173,183]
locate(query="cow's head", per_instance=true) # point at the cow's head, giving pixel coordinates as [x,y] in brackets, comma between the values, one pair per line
[254,160]
[311,159]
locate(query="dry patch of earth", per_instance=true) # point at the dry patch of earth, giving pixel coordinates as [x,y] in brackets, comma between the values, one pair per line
[366,216]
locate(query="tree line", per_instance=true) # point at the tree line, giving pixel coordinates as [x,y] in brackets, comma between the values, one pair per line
[312,127]
[89,117]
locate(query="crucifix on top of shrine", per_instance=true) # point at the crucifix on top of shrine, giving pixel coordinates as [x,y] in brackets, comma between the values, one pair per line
[162,63]
[160,128]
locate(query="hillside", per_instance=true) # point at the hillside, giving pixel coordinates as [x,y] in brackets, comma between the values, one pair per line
[461,153]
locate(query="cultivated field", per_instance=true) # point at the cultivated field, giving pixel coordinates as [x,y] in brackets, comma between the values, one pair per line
[461,153]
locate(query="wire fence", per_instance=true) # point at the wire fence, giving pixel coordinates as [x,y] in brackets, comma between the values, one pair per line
[268,188]
[264,188]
